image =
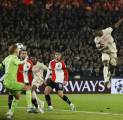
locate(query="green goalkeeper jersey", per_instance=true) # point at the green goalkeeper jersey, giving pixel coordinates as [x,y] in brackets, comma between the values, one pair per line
[11,63]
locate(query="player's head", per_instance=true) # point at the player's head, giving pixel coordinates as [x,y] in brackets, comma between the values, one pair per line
[58,55]
[34,60]
[98,33]
[13,49]
[23,53]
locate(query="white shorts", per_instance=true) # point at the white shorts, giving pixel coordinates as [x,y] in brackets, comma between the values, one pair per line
[109,57]
[37,83]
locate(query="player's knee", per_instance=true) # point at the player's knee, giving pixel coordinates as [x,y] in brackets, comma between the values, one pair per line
[17,97]
[60,94]
[46,91]
[113,62]
[34,88]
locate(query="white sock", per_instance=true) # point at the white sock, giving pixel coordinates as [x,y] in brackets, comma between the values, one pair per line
[106,73]
[71,104]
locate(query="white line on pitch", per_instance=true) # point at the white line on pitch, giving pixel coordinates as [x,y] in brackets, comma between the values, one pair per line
[86,112]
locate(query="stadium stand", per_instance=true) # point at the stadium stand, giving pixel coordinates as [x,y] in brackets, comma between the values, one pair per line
[66,25]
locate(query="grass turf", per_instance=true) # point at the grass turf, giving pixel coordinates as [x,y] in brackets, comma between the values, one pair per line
[89,107]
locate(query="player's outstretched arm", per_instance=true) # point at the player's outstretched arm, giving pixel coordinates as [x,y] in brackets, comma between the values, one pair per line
[117,24]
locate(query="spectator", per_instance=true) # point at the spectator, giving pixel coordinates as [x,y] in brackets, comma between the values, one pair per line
[45,26]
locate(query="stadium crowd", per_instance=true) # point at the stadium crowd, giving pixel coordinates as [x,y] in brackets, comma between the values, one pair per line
[65,25]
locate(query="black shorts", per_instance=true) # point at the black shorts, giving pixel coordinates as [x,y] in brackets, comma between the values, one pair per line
[56,86]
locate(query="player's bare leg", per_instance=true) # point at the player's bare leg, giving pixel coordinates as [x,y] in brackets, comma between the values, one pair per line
[106,73]
[47,91]
[66,99]
[36,101]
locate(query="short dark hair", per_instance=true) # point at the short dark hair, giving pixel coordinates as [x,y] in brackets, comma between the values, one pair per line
[12,48]
[98,33]
[58,53]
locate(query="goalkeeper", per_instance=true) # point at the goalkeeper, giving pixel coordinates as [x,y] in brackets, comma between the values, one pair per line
[11,63]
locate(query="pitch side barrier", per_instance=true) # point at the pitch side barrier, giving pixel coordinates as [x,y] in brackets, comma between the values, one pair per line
[85,86]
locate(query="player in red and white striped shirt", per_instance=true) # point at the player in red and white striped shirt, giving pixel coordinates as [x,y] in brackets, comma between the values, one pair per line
[59,73]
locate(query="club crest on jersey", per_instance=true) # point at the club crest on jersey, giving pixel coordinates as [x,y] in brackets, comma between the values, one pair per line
[58,66]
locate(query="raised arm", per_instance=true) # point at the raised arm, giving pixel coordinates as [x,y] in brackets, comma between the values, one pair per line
[118,23]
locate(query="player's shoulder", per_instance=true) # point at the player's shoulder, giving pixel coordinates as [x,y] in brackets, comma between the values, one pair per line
[30,61]
[5,58]
[11,58]
[107,30]
[63,63]
[40,63]
[52,61]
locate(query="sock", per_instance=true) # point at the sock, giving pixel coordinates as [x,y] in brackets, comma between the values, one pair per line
[105,73]
[10,99]
[65,98]
[34,99]
[28,98]
[14,104]
[48,99]
[39,101]
[34,102]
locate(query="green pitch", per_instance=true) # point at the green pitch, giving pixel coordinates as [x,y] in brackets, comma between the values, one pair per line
[89,107]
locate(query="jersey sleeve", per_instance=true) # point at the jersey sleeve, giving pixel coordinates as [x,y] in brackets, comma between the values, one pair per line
[65,71]
[108,30]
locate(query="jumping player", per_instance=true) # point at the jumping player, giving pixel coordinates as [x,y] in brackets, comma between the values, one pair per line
[106,44]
